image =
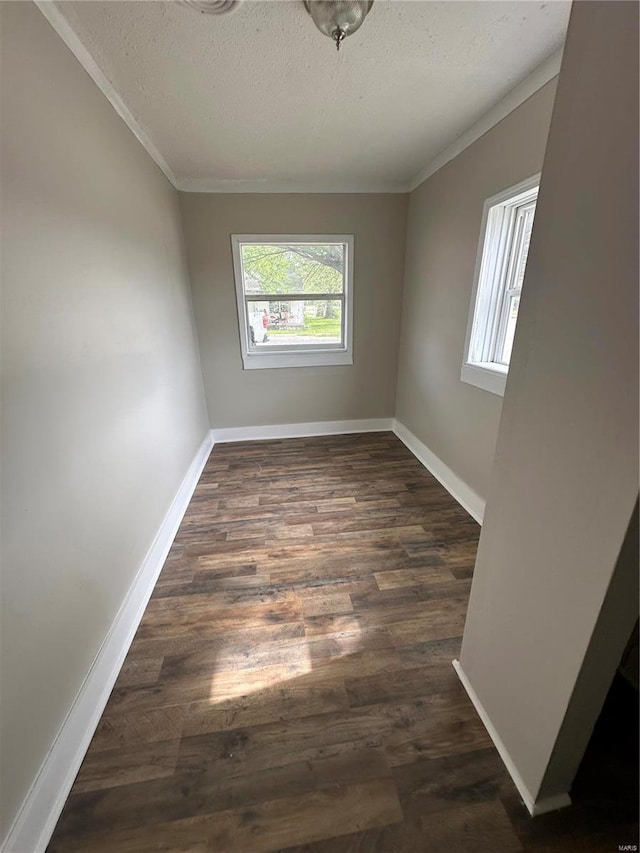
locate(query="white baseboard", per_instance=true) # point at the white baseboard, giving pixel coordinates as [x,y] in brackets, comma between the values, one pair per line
[34,825]
[534,807]
[457,488]
[258,433]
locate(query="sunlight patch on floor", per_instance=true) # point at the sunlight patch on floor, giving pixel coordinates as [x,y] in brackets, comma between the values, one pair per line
[274,663]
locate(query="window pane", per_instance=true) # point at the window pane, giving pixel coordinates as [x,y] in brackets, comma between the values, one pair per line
[295,322]
[512,318]
[527,228]
[293,268]
[517,266]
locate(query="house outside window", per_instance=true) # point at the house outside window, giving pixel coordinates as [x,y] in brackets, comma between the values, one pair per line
[507,223]
[295,299]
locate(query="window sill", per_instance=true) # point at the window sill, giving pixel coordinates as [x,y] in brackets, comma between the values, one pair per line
[486,375]
[262,361]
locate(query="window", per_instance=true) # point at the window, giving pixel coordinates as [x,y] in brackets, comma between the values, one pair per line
[507,222]
[295,299]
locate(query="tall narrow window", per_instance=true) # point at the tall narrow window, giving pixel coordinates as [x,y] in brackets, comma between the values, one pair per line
[507,223]
[295,299]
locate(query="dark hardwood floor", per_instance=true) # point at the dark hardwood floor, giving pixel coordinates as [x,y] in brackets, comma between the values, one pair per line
[290,686]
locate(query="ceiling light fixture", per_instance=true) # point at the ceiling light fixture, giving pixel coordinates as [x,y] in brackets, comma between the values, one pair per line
[212,7]
[338,18]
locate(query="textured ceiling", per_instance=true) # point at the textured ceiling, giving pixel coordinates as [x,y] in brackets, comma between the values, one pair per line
[259,96]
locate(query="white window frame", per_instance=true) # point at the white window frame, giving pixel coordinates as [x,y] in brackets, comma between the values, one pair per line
[297,355]
[493,285]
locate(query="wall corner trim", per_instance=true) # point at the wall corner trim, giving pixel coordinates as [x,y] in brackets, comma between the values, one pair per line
[304,430]
[62,27]
[538,78]
[262,185]
[37,818]
[534,807]
[457,488]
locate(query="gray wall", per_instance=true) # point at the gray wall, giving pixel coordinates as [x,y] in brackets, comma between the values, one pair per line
[604,653]
[102,404]
[565,479]
[366,389]
[458,422]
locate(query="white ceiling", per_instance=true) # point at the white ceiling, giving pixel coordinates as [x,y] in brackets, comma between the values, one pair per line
[260,99]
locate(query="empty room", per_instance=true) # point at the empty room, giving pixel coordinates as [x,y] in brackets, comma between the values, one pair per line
[319,446]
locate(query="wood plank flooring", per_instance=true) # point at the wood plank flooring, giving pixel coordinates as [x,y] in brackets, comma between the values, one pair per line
[290,685]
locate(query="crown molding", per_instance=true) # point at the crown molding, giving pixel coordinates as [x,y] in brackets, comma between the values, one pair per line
[62,27]
[538,78]
[266,185]
[545,72]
